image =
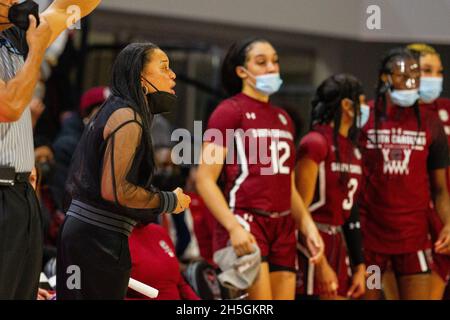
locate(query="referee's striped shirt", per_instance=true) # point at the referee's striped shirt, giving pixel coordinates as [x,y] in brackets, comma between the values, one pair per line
[16,138]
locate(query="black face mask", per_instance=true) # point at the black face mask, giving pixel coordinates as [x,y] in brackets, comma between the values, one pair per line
[160,101]
[19,12]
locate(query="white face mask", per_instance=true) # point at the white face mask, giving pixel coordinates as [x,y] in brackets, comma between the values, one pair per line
[363,116]
[404,98]
[267,84]
[430,88]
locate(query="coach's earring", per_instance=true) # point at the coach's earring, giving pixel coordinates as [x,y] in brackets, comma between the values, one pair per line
[145,89]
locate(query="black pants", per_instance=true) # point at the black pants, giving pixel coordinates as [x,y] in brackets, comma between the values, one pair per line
[92,263]
[21,242]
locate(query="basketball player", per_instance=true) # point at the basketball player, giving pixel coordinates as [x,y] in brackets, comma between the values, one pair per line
[329,173]
[255,166]
[404,152]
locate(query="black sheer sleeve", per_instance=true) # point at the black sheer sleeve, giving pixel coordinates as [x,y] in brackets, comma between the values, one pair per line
[123,133]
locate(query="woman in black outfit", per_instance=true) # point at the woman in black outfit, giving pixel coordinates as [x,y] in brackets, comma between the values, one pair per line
[110,179]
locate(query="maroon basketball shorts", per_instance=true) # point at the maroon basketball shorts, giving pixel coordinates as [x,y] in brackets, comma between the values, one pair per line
[337,256]
[276,238]
[440,263]
[402,264]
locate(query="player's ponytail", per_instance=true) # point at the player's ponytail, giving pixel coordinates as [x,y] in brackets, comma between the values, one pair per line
[326,103]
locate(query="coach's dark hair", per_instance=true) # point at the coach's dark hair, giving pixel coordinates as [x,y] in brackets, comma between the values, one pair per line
[383,88]
[126,83]
[326,104]
[236,56]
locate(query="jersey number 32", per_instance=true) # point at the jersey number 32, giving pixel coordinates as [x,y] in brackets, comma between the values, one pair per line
[278,162]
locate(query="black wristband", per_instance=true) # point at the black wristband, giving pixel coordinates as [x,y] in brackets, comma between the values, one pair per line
[353,237]
[168,202]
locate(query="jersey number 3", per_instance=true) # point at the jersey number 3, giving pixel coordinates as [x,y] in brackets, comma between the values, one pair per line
[347,204]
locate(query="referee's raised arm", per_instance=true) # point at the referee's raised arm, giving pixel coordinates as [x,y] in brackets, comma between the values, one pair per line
[16,94]
[60,17]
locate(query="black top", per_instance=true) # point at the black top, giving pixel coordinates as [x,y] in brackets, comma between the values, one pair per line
[112,158]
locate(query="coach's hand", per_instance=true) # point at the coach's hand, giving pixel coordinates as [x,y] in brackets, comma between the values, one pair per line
[183,200]
[326,279]
[38,37]
[442,245]
[242,241]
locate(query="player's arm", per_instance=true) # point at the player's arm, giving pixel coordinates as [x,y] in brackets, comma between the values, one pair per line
[211,164]
[62,14]
[16,94]
[442,203]
[324,274]
[437,163]
[305,224]
[306,171]
[312,151]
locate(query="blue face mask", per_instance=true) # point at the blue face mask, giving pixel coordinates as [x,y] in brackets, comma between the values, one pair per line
[267,84]
[404,98]
[363,116]
[430,88]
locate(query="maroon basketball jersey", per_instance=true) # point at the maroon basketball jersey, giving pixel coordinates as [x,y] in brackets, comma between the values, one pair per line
[441,107]
[338,180]
[396,196]
[260,141]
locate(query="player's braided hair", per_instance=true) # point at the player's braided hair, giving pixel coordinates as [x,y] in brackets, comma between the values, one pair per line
[326,104]
[383,88]
[381,92]
[236,56]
